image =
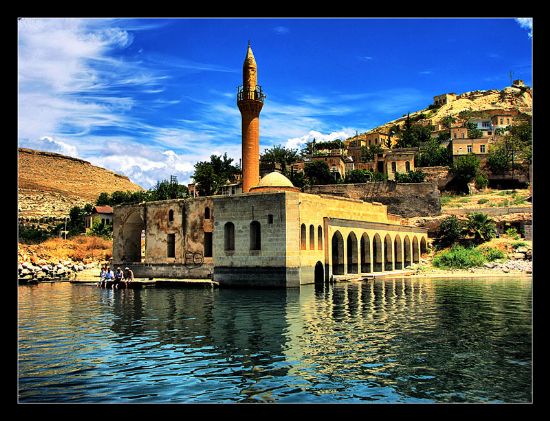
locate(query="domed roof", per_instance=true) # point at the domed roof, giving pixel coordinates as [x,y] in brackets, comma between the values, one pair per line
[275,179]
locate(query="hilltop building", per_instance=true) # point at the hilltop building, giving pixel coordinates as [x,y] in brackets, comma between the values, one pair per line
[271,234]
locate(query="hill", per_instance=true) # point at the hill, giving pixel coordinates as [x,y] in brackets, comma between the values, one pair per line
[50,184]
[517,99]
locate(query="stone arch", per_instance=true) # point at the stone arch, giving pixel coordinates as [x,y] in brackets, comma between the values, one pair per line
[319,238]
[398,252]
[303,237]
[423,246]
[377,253]
[171,215]
[352,254]
[319,274]
[365,254]
[407,250]
[311,237]
[388,253]
[415,250]
[132,228]
[207,213]
[337,254]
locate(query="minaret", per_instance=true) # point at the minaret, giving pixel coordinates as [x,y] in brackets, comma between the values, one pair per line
[250,100]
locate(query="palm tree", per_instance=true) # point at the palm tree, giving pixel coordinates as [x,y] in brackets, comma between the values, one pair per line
[480,227]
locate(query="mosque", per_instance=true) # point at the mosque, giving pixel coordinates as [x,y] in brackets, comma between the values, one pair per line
[270,235]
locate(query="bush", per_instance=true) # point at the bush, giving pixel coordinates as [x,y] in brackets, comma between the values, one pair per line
[480,227]
[459,257]
[482,201]
[416,176]
[492,253]
[518,244]
[481,181]
[512,233]
[449,232]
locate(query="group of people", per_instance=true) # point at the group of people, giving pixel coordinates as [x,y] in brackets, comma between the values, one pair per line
[117,278]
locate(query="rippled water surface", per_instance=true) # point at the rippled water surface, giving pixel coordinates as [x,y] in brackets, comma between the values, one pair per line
[377,341]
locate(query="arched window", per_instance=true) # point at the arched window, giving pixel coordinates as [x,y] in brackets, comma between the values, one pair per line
[229,236]
[311,237]
[171,215]
[255,236]
[206,213]
[319,238]
[407,166]
[303,237]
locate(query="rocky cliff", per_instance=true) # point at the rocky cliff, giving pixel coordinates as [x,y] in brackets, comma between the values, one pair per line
[50,184]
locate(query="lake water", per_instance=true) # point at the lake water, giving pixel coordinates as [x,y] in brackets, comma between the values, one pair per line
[405,340]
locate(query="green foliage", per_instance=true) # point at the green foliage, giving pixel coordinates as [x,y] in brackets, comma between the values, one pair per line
[332,144]
[447,121]
[481,181]
[413,135]
[482,201]
[29,234]
[165,190]
[498,160]
[443,136]
[210,176]
[431,154]
[360,176]
[297,178]
[123,197]
[369,152]
[444,200]
[75,224]
[449,231]
[480,227]
[416,176]
[465,168]
[518,244]
[317,172]
[102,230]
[512,233]
[492,254]
[473,131]
[278,154]
[459,257]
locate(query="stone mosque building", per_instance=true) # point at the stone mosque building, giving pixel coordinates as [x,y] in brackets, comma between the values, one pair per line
[271,235]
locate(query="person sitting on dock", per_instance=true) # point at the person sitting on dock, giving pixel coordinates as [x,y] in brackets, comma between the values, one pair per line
[102,276]
[117,278]
[128,276]
[108,277]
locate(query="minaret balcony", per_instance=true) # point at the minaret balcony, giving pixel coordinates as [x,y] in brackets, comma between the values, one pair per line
[245,93]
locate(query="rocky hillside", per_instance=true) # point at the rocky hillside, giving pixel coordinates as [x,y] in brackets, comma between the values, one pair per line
[518,99]
[50,184]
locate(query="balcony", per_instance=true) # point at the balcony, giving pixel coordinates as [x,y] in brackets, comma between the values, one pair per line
[255,94]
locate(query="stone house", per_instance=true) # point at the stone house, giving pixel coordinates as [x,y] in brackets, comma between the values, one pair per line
[100,214]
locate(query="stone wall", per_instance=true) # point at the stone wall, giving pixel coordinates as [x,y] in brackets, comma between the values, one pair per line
[404,199]
[439,175]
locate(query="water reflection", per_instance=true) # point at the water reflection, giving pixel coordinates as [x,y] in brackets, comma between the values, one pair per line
[402,340]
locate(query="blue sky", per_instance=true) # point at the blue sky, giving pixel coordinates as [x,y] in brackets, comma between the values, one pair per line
[149,98]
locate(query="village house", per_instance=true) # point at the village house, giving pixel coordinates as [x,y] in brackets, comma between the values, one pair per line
[100,214]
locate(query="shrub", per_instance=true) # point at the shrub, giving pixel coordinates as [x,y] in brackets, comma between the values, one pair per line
[492,253]
[416,176]
[518,244]
[481,181]
[459,257]
[449,231]
[512,233]
[480,227]
[482,201]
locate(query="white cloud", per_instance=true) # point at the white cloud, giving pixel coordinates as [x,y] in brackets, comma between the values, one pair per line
[526,23]
[365,58]
[299,142]
[281,30]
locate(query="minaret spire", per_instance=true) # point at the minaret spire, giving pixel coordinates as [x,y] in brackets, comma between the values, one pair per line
[250,100]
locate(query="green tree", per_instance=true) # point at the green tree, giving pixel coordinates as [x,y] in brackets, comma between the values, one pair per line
[360,176]
[280,155]
[166,190]
[103,199]
[318,172]
[448,121]
[480,227]
[473,131]
[431,154]
[298,179]
[465,168]
[210,176]
[497,159]
[449,231]
[75,224]
[102,230]
[369,152]
[413,135]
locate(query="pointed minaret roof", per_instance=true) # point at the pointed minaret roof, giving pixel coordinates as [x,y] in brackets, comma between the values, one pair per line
[249,61]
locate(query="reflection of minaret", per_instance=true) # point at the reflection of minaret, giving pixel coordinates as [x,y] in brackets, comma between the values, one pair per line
[250,100]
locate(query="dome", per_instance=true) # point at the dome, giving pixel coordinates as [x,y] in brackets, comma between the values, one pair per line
[274,179]
[272,182]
